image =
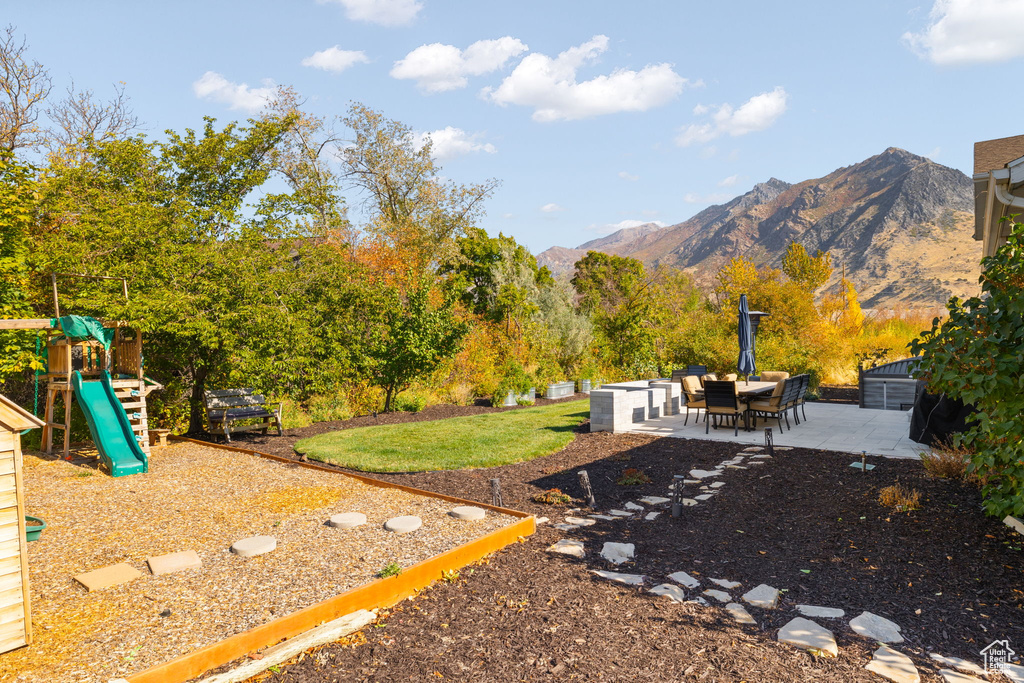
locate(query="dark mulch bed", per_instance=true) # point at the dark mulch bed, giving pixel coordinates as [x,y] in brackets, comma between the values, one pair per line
[949,576]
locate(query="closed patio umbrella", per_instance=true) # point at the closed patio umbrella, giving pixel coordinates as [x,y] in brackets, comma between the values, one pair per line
[746,364]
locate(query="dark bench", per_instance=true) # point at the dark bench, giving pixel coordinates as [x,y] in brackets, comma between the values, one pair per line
[225,407]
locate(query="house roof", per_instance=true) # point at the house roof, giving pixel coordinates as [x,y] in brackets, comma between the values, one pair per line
[992,154]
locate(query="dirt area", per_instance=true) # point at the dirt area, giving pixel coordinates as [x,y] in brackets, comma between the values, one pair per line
[202,499]
[804,521]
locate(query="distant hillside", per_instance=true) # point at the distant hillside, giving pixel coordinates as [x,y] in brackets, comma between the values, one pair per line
[902,225]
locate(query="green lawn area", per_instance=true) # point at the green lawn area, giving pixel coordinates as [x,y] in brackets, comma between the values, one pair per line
[460,442]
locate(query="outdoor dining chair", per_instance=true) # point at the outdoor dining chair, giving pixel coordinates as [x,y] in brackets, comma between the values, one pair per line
[694,399]
[801,400]
[773,406]
[774,375]
[696,370]
[721,400]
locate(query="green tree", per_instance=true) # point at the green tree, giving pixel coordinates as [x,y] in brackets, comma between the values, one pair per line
[802,268]
[975,356]
[413,336]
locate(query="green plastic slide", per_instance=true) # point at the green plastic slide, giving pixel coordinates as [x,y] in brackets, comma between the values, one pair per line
[111,431]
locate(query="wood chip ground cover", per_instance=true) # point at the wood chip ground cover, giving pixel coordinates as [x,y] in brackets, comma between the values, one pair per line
[951,577]
[203,499]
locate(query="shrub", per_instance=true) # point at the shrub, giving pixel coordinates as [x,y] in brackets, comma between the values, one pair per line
[329,407]
[390,569]
[633,477]
[947,461]
[552,497]
[411,403]
[903,499]
[515,379]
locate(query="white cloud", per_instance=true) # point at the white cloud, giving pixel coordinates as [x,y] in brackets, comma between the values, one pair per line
[713,198]
[551,208]
[437,67]
[550,86]
[383,12]
[701,109]
[213,86]
[335,59]
[628,176]
[971,32]
[609,228]
[449,142]
[730,181]
[756,114]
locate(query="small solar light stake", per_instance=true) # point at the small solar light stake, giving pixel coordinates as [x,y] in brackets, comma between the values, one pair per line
[863,461]
[769,442]
[677,494]
[496,493]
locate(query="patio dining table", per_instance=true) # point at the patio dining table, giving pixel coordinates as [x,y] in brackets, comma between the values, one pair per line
[748,391]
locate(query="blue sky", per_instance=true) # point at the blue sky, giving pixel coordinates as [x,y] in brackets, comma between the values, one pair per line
[594,115]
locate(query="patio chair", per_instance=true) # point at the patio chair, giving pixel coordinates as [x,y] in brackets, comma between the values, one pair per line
[773,406]
[774,375]
[801,400]
[694,399]
[731,377]
[679,375]
[708,377]
[697,370]
[721,400]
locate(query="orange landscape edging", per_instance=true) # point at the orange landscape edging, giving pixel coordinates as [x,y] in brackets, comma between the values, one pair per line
[377,594]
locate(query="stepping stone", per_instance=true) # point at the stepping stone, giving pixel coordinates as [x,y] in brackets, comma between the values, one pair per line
[753,449]
[763,596]
[403,525]
[756,462]
[857,465]
[655,500]
[347,520]
[705,474]
[698,601]
[876,628]
[685,579]
[651,515]
[675,593]
[617,553]
[254,545]
[736,467]
[579,521]
[567,527]
[705,488]
[717,484]
[105,577]
[567,547]
[1014,523]
[689,502]
[957,663]
[740,613]
[620,513]
[691,481]
[765,456]
[1014,672]
[604,517]
[174,562]
[725,583]
[628,579]
[633,506]
[541,520]
[895,666]
[704,496]
[806,634]
[721,596]
[469,513]
[825,612]
[783,448]
[950,676]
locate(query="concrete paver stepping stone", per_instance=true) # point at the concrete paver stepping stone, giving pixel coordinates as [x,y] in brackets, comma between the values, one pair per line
[725,583]
[815,611]
[705,474]
[567,527]
[685,579]
[580,521]
[541,520]
[721,596]
[691,481]
[620,513]
[717,484]
[174,562]
[753,449]
[756,462]
[567,546]
[806,634]
[740,613]
[950,676]
[405,524]
[628,579]
[895,666]
[763,456]
[689,502]
[105,577]
[655,500]
[783,448]
[651,516]
[675,593]
[736,467]
[876,628]
[617,553]
[704,496]
[1014,672]
[1014,523]
[604,517]
[698,601]
[633,506]
[469,513]
[763,596]
[254,545]
[347,520]
[957,663]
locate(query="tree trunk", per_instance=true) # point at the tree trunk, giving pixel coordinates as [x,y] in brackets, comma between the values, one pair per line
[389,392]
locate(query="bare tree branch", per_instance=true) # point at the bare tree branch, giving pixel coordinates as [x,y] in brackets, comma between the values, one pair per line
[23,88]
[80,118]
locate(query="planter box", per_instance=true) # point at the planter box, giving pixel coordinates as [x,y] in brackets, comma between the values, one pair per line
[585,386]
[513,400]
[560,390]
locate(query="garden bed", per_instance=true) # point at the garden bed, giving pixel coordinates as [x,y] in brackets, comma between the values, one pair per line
[199,498]
[951,577]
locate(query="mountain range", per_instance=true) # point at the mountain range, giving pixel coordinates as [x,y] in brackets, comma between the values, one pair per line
[899,225]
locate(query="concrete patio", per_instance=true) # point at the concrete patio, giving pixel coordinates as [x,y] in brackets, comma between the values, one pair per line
[829,426]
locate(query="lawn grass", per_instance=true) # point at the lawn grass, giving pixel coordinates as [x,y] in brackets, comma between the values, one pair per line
[457,443]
